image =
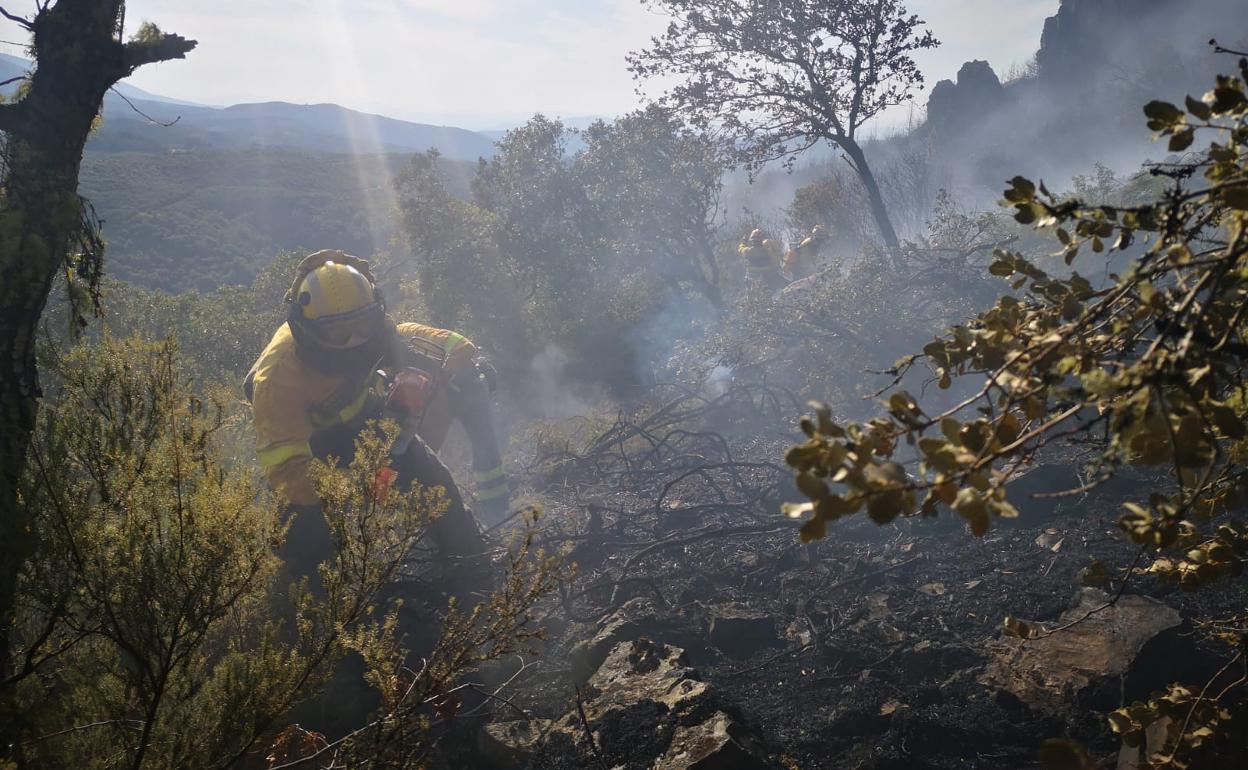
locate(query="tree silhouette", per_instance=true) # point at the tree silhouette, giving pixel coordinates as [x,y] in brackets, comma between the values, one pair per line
[780,76]
[45,226]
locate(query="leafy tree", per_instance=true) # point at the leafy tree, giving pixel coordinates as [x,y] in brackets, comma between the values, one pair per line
[657,186]
[574,248]
[544,223]
[462,275]
[578,241]
[1152,363]
[780,76]
[45,227]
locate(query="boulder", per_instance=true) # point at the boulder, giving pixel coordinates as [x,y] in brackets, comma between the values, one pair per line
[1046,672]
[640,671]
[634,619]
[647,705]
[642,690]
[512,744]
[718,743]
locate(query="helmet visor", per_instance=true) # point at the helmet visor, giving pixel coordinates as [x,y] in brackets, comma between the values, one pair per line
[348,330]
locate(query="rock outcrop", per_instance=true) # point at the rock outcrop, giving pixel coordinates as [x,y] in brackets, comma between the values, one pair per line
[1048,672]
[717,743]
[636,618]
[643,704]
[977,92]
[1084,34]
[1098,62]
[1090,38]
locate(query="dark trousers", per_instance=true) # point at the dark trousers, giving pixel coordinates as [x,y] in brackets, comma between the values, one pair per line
[347,702]
[467,401]
[455,532]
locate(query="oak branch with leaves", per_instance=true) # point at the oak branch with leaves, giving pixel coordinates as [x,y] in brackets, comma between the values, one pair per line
[1150,365]
[781,76]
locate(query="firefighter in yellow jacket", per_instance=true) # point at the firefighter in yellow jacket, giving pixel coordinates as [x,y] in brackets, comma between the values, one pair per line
[316,384]
[802,261]
[762,259]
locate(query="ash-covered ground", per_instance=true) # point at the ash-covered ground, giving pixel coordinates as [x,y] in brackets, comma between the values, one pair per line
[879,647]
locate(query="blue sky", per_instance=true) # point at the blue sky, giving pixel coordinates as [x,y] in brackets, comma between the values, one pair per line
[474,63]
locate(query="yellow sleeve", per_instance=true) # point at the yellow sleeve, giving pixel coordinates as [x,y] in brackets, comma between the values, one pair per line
[454,345]
[283,431]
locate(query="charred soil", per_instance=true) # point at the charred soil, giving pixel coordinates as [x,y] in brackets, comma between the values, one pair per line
[867,650]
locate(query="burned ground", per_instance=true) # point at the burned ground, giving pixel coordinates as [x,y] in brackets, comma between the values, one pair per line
[866,650]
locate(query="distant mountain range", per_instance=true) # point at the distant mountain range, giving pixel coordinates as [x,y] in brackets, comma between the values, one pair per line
[134,126]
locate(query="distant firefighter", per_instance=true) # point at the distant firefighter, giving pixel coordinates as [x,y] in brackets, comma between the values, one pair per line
[762,257]
[802,261]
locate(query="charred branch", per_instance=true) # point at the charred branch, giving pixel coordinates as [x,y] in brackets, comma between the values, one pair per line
[21,21]
[166,47]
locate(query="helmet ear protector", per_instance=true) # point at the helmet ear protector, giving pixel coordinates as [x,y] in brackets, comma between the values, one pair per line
[317,259]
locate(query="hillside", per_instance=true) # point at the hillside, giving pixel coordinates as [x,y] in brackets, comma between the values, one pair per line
[197,220]
[300,127]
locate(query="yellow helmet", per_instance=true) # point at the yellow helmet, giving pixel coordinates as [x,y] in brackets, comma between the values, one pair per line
[334,289]
[334,303]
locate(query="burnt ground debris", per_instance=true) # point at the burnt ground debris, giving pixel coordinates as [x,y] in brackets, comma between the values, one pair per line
[881,635]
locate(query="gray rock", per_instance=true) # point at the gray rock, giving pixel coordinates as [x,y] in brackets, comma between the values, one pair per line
[512,744]
[1048,671]
[650,686]
[634,619]
[718,743]
[644,670]
[978,93]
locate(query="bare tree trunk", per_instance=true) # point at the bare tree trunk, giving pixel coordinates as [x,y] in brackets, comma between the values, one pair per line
[79,56]
[710,277]
[874,198]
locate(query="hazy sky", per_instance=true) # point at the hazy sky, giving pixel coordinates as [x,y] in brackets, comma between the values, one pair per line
[474,63]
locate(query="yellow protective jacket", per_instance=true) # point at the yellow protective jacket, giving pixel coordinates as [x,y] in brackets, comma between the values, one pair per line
[291,401]
[760,257]
[801,258]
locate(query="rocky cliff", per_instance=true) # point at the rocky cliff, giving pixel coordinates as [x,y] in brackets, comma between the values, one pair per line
[1098,62]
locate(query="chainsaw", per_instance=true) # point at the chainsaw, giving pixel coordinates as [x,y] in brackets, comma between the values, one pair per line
[409,391]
